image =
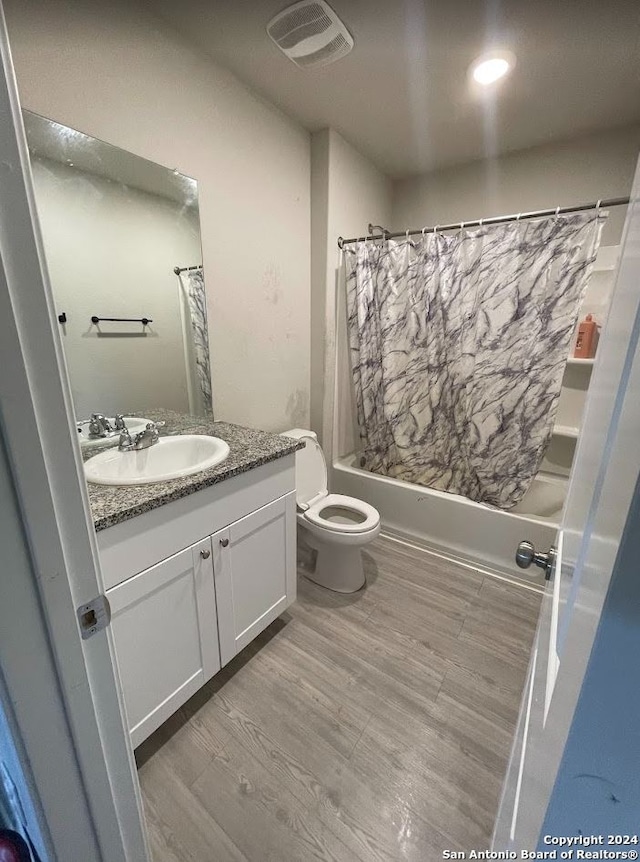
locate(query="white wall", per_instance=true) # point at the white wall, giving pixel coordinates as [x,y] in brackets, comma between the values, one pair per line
[112,70]
[571,172]
[111,250]
[348,193]
[319,272]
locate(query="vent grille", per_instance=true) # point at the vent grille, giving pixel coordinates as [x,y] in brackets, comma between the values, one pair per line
[306,31]
[310,33]
[336,48]
[309,16]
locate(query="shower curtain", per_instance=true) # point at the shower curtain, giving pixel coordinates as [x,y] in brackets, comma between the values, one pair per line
[458,345]
[193,285]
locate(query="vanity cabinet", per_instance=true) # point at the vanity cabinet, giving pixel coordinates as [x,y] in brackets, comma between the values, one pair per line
[192,582]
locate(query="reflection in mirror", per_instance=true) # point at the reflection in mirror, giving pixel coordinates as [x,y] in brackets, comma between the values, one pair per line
[122,242]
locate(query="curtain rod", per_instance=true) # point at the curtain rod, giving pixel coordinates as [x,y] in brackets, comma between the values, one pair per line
[611,202]
[179,269]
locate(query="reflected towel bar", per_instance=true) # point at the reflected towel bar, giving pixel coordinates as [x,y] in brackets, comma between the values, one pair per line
[143,320]
[179,269]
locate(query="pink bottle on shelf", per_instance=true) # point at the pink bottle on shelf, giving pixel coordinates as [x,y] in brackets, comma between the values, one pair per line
[586,341]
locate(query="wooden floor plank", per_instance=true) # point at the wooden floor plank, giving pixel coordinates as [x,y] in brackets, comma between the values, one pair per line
[368,727]
[381,652]
[322,783]
[186,742]
[431,572]
[261,816]
[196,833]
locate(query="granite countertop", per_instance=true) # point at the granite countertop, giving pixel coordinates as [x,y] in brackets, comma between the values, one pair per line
[112,504]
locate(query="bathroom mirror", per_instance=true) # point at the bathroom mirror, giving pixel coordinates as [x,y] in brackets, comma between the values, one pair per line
[122,242]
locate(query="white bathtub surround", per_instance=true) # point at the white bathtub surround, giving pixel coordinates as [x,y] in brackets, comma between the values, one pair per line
[455,527]
[458,346]
[336,526]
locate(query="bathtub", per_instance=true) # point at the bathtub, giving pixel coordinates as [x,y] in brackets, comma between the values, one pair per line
[453,526]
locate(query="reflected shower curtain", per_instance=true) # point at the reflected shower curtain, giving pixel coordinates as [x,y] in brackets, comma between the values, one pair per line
[193,286]
[458,344]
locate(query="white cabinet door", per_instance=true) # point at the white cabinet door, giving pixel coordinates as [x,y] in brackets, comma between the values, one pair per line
[254,562]
[164,626]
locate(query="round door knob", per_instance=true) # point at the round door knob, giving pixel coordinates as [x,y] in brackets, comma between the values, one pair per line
[205,554]
[224,542]
[525,554]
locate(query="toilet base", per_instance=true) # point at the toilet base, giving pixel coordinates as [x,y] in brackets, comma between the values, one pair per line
[337,567]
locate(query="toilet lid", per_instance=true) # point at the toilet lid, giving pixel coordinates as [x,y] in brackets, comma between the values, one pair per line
[311,472]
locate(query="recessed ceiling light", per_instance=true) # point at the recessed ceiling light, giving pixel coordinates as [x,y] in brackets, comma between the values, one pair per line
[489,68]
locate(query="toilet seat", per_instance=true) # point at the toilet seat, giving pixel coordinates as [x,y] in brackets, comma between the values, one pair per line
[314,514]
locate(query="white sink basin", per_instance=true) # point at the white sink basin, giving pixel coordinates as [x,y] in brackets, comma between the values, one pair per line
[169,458]
[133,423]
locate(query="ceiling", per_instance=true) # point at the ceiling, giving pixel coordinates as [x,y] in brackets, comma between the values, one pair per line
[402,95]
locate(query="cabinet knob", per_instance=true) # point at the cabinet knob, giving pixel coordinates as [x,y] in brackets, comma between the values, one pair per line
[224,542]
[205,554]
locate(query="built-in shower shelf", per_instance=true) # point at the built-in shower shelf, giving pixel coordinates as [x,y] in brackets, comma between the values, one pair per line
[585,362]
[571,431]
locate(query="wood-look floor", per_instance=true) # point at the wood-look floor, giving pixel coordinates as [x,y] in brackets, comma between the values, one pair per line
[375,726]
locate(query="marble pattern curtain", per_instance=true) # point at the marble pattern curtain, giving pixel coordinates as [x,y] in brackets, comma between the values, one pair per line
[458,345]
[193,286]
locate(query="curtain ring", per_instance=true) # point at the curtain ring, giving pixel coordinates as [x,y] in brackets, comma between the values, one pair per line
[598,206]
[435,229]
[518,216]
[461,225]
[480,220]
[557,211]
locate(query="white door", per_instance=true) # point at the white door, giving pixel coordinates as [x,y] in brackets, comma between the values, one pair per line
[606,467]
[166,636]
[66,706]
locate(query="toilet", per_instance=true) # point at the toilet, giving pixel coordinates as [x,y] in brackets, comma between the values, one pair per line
[335,526]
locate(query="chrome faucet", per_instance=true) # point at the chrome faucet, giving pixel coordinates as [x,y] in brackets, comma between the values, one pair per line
[142,440]
[99,426]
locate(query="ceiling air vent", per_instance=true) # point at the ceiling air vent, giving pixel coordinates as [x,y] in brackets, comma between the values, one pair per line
[310,33]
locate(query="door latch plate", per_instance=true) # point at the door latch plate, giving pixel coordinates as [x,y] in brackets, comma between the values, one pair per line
[94,616]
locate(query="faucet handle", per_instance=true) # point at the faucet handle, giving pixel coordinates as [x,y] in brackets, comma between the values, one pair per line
[152,431]
[96,425]
[119,422]
[125,441]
